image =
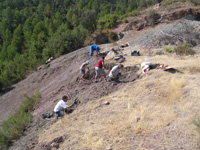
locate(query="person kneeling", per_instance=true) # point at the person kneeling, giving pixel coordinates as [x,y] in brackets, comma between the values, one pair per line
[113,75]
[61,107]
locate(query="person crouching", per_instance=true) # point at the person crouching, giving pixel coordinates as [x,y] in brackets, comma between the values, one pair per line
[83,68]
[113,75]
[61,106]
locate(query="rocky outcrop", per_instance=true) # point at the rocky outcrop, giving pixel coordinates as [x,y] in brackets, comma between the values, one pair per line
[155,17]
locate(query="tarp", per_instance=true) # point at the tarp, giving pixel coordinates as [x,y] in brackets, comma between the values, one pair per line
[110,55]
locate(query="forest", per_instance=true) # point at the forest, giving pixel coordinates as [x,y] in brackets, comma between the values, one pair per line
[31,31]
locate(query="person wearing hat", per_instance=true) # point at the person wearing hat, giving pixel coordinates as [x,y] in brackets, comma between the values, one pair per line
[96,48]
[49,60]
[83,68]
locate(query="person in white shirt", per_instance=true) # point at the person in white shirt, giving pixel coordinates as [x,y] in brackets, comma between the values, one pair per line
[61,106]
[113,75]
[83,68]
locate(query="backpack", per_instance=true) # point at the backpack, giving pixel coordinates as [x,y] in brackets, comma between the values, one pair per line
[47,115]
[135,53]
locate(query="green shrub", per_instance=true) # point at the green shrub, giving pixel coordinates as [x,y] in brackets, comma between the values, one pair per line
[112,36]
[168,50]
[107,21]
[159,53]
[13,127]
[167,2]
[135,12]
[125,20]
[184,49]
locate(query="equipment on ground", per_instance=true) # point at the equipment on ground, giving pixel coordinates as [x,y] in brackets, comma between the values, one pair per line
[135,53]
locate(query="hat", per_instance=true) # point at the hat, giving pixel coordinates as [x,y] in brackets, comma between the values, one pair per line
[87,62]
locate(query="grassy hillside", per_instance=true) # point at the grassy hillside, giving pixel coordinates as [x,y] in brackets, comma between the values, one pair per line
[166,104]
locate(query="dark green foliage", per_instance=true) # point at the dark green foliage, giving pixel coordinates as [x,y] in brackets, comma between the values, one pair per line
[108,21]
[146,3]
[33,30]
[88,20]
[13,127]
[65,41]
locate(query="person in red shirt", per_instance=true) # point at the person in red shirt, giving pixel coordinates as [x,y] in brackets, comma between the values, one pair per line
[98,69]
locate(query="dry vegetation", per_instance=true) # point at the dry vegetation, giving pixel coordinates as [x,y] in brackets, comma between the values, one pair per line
[165,103]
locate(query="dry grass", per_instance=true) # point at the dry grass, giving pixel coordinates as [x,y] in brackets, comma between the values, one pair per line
[194,69]
[165,103]
[173,91]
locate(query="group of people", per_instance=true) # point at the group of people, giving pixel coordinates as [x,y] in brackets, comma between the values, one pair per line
[99,72]
[113,75]
[61,106]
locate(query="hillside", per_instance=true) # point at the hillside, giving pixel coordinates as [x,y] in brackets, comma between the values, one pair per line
[154,111]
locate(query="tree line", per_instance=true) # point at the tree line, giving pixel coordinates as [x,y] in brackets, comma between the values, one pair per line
[31,31]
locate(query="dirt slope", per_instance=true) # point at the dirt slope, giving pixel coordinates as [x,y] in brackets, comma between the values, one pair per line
[60,77]
[165,103]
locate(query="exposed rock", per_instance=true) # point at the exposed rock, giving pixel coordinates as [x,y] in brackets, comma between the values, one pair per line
[106,102]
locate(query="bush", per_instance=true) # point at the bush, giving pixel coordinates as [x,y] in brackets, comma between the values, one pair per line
[112,36]
[125,20]
[184,49]
[159,53]
[135,12]
[108,21]
[168,50]
[13,127]
[167,2]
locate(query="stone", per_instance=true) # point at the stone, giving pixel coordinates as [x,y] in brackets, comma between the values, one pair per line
[137,118]
[106,102]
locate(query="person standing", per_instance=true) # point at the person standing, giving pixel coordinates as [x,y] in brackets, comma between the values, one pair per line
[83,68]
[94,48]
[98,69]
[113,75]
